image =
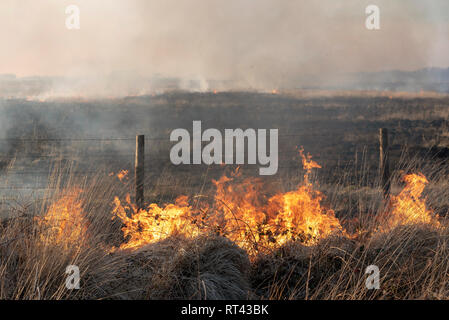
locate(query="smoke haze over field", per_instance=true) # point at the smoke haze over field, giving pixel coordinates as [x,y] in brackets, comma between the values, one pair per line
[248,44]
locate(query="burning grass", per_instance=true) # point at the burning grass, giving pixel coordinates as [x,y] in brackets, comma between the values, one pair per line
[65,223]
[239,243]
[240,212]
[408,207]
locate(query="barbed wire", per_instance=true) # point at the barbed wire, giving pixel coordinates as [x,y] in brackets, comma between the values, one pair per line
[345,159]
[167,137]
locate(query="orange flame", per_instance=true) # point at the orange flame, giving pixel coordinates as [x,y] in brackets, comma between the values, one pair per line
[122,175]
[299,213]
[65,223]
[240,211]
[154,223]
[409,207]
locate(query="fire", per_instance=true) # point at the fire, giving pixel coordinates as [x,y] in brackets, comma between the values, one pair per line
[64,223]
[240,211]
[299,213]
[308,164]
[122,174]
[256,223]
[301,216]
[409,207]
[154,223]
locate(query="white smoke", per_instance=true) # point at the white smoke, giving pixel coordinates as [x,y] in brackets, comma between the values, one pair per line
[245,44]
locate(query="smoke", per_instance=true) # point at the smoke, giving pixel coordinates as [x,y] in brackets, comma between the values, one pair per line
[232,44]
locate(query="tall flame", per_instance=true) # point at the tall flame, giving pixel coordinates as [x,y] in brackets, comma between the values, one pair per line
[409,207]
[240,211]
[299,213]
[64,222]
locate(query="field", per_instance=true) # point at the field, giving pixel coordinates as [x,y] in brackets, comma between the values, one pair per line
[223,232]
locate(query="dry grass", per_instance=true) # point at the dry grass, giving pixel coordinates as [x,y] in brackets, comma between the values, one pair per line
[413,260]
[207,267]
[413,263]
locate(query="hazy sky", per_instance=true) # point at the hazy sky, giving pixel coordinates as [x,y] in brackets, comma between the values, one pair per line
[257,41]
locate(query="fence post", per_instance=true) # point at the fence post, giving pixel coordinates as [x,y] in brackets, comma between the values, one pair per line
[384,167]
[139,170]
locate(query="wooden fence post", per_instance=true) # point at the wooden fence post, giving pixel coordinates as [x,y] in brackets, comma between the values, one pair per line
[384,167]
[139,170]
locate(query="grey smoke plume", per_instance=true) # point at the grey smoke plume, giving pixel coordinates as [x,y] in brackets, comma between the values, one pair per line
[260,44]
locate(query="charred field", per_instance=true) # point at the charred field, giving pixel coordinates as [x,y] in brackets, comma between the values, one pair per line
[222,231]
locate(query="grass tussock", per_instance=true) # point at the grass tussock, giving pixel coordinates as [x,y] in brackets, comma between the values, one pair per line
[207,267]
[412,260]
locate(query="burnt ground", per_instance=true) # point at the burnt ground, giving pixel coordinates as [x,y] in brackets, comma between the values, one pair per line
[99,135]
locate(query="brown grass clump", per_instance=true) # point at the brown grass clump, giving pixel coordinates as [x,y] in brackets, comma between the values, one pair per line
[208,267]
[413,262]
[296,271]
[33,268]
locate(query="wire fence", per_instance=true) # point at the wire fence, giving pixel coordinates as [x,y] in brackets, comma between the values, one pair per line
[18,164]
